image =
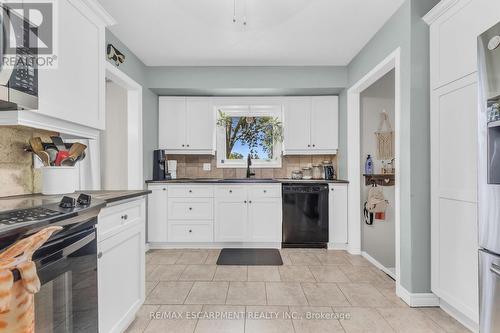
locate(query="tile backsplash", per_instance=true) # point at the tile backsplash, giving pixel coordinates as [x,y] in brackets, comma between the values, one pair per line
[17,175]
[191,166]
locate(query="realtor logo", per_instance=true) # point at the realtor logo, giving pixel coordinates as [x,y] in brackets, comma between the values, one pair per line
[30,32]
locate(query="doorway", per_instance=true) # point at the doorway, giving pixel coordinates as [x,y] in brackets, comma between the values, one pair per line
[355,164]
[377,109]
[121,142]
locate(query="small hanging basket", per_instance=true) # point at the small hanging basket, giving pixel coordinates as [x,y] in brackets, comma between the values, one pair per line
[385,138]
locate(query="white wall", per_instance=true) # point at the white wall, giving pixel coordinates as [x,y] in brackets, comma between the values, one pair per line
[378,240]
[114,140]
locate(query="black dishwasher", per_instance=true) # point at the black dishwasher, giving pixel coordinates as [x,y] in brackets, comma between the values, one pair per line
[305,215]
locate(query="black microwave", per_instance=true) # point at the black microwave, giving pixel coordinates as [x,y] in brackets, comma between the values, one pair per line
[18,65]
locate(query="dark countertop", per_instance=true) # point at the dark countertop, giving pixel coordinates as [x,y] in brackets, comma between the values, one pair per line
[242,181]
[35,200]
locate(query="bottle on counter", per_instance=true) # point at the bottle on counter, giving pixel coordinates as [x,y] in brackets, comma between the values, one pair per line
[369,165]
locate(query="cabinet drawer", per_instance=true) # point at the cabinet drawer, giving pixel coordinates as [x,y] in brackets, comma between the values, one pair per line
[114,217]
[190,209]
[192,231]
[190,191]
[264,191]
[227,192]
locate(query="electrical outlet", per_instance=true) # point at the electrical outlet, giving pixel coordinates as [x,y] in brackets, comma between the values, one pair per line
[207,166]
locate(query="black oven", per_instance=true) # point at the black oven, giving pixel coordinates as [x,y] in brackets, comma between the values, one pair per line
[67,268]
[18,68]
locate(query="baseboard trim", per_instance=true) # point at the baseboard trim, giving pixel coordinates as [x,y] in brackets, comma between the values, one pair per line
[337,246]
[459,316]
[417,300]
[354,251]
[214,245]
[378,265]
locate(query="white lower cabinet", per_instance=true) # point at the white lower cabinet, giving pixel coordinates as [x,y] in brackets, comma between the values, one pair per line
[121,289]
[214,213]
[190,231]
[249,213]
[264,220]
[231,216]
[157,214]
[337,205]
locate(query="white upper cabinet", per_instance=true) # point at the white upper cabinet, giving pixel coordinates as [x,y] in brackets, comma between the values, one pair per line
[200,122]
[186,125]
[172,123]
[454,38]
[75,90]
[324,123]
[71,97]
[311,125]
[297,124]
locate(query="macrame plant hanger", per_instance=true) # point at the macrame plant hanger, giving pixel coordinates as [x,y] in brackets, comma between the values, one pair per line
[385,138]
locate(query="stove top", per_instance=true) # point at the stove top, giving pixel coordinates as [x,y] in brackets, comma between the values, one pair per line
[28,215]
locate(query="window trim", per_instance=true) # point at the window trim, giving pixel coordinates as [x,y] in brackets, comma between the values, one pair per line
[248,111]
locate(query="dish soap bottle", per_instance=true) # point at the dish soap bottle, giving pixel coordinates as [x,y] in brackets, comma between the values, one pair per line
[369,165]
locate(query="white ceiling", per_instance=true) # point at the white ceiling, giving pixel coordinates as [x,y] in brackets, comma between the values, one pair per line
[278,32]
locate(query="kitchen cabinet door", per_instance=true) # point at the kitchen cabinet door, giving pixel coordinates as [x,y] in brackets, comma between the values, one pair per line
[74,91]
[157,214]
[121,278]
[324,123]
[454,233]
[264,220]
[296,125]
[200,121]
[172,123]
[337,215]
[231,219]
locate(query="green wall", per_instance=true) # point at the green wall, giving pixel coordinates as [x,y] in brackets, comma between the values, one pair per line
[136,69]
[407,31]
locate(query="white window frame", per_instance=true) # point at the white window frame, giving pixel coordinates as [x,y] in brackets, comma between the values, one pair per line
[275,111]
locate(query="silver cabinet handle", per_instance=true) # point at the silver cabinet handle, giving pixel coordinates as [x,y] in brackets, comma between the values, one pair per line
[494,268]
[99,255]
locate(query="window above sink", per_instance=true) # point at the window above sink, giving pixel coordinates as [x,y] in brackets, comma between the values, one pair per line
[249,130]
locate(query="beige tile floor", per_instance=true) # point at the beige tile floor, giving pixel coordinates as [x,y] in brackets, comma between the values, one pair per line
[314,291]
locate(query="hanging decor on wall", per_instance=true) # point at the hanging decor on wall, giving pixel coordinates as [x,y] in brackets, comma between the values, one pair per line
[385,138]
[115,55]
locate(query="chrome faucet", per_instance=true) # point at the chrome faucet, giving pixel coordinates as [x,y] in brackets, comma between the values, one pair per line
[249,163]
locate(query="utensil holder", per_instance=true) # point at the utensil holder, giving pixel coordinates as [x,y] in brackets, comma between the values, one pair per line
[59,180]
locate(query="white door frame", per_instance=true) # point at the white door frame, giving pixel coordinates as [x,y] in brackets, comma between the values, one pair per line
[134,125]
[393,61]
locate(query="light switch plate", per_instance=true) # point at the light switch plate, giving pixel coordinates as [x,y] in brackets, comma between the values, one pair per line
[207,166]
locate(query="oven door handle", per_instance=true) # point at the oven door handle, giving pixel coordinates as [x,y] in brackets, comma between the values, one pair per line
[65,252]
